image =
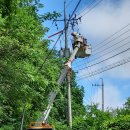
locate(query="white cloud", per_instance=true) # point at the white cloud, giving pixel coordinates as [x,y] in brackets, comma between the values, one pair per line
[105,19]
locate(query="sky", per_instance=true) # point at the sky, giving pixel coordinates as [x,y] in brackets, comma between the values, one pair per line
[99,22]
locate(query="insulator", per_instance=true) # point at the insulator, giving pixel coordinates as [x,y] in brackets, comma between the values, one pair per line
[80,18]
[75,16]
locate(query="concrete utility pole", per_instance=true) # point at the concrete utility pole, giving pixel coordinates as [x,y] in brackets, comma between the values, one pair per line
[102,85]
[68,74]
[23,113]
[102,94]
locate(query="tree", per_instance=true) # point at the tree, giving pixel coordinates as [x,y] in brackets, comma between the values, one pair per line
[23,49]
[117,123]
[92,120]
[23,82]
[120,120]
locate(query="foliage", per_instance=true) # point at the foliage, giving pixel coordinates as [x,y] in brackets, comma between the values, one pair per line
[50,16]
[22,48]
[91,120]
[117,123]
[95,119]
[120,120]
[23,83]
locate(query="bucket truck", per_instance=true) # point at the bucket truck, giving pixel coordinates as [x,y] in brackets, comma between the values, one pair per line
[80,50]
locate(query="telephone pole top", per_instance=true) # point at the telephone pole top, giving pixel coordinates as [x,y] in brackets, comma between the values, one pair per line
[102,85]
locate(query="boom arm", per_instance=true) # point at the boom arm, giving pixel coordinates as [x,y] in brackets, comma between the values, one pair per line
[63,74]
[67,65]
[78,44]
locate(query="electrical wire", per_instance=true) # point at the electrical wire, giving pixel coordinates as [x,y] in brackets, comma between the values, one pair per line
[86,7]
[89,69]
[97,58]
[74,10]
[50,52]
[112,45]
[67,5]
[109,41]
[108,49]
[91,8]
[72,14]
[112,35]
[106,59]
[106,68]
[105,45]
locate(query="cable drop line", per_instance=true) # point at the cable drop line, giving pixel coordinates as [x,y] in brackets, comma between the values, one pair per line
[50,52]
[73,12]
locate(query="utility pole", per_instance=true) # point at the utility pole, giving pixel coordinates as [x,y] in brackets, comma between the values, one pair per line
[23,113]
[66,53]
[101,85]
[102,94]
[68,74]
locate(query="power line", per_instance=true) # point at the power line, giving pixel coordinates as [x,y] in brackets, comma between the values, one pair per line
[50,52]
[61,32]
[106,68]
[91,8]
[106,59]
[106,53]
[73,12]
[89,70]
[112,45]
[70,18]
[68,4]
[108,38]
[113,39]
[87,7]
[113,34]
[109,51]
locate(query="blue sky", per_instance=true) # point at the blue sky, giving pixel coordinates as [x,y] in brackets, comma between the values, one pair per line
[102,21]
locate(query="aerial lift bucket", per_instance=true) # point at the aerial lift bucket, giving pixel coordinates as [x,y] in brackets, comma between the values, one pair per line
[85,49]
